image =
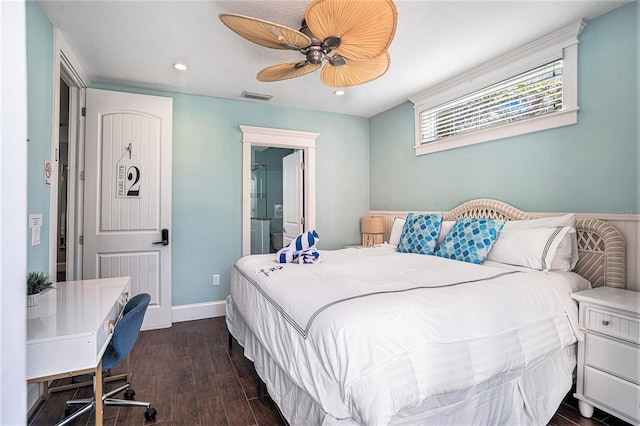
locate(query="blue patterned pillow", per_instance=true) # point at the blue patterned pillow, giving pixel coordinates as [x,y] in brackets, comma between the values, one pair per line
[470,239]
[420,233]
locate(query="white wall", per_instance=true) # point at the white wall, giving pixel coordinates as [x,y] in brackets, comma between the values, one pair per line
[13,212]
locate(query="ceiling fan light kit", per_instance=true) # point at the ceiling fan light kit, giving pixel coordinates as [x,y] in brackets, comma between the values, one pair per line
[350,37]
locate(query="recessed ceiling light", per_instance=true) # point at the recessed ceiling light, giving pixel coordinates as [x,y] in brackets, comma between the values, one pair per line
[179,66]
[339,92]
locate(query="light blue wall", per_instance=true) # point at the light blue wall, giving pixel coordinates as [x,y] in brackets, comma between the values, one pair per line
[588,167]
[40,116]
[207,183]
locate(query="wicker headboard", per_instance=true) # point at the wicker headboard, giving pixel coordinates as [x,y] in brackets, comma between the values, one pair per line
[601,249]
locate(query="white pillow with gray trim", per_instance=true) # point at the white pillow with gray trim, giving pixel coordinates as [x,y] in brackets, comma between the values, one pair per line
[566,255]
[568,219]
[531,248]
[396,230]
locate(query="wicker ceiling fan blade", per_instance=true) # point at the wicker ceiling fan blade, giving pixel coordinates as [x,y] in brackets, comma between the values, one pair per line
[355,72]
[265,33]
[366,27]
[286,71]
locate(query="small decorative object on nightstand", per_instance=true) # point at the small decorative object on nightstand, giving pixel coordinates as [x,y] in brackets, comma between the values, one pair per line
[372,229]
[609,356]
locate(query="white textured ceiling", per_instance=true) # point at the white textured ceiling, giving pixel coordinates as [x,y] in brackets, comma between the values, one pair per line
[135,43]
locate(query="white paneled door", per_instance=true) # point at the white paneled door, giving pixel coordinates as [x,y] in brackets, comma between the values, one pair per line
[292,196]
[127,204]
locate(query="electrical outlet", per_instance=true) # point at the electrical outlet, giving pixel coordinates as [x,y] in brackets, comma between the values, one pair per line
[216,279]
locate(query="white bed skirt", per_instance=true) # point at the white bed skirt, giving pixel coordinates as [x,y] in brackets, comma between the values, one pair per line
[516,401]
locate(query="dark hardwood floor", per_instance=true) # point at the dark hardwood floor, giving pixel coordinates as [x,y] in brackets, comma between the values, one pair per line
[191,378]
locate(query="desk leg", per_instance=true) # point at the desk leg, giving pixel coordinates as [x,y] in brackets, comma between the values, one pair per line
[129,368]
[98,394]
[45,392]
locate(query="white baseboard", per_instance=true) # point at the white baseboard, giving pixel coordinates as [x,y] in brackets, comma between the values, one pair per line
[197,311]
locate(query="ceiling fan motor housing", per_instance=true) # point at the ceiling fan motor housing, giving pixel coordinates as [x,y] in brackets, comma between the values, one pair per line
[315,54]
[317,51]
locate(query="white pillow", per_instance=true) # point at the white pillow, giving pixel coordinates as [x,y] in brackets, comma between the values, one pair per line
[568,219]
[532,248]
[566,255]
[445,228]
[396,230]
[567,252]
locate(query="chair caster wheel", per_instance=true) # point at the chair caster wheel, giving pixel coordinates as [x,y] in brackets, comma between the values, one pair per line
[70,410]
[150,414]
[129,394]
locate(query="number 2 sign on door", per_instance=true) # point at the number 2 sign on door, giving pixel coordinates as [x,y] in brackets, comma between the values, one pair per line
[129,177]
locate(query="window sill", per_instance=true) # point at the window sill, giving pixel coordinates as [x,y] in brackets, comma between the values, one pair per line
[536,124]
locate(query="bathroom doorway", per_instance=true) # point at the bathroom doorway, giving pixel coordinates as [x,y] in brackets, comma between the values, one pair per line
[264,137]
[266,199]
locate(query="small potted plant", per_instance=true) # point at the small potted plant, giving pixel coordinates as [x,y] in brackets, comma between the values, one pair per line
[36,282]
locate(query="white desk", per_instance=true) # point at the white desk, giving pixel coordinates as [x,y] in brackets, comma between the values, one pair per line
[68,332]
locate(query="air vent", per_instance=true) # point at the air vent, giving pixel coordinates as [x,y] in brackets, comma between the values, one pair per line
[256,96]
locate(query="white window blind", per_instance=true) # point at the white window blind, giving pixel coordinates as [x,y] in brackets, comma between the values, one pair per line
[533,93]
[527,90]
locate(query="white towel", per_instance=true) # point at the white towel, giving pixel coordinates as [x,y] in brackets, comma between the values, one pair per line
[301,249]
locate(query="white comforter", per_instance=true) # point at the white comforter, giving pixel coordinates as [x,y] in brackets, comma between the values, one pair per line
[370,332]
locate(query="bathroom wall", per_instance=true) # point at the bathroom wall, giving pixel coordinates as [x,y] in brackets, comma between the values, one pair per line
[272,157]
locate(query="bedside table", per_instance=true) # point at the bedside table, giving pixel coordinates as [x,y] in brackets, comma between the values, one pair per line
[609,357]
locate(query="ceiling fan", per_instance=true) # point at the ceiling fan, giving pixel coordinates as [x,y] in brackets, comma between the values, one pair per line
[350,36]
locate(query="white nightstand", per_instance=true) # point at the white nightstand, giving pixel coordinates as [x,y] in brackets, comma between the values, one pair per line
[609,357]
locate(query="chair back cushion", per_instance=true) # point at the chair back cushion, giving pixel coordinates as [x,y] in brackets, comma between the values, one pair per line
[126,332]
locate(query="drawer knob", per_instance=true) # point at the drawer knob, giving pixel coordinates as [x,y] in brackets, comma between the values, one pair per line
[605,323]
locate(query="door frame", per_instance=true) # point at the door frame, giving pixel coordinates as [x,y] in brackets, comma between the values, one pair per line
[66,66]
[292,180]
[277,138]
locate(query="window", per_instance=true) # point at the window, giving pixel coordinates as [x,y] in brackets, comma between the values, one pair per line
[531,89]
[530,94]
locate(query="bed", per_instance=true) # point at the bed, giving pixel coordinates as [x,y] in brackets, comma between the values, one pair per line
[374,336]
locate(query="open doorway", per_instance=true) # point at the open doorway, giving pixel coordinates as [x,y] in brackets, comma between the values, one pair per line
[63,183]
[66,189]
[68,156]
[253,137]
[267,199]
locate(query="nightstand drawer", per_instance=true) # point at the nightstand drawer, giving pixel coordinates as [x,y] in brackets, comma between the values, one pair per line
[619,358]
[616,393]
[613,324]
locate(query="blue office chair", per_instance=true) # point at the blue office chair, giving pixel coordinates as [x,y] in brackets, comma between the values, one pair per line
[124,338]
